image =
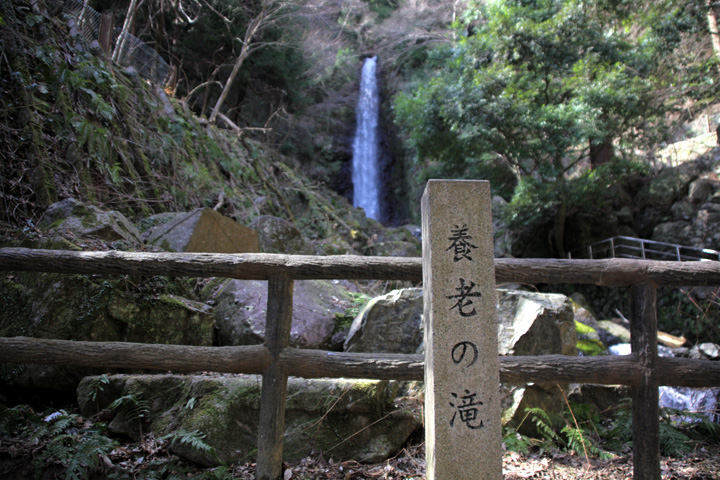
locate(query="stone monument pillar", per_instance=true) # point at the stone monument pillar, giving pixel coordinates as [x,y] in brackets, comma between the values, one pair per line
[462,401]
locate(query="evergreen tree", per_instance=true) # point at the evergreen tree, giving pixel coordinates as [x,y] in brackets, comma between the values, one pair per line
[540,85]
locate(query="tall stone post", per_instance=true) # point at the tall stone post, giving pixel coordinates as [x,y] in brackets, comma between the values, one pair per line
[462,400]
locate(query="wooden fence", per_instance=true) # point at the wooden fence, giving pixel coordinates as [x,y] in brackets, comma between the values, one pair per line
[643,370]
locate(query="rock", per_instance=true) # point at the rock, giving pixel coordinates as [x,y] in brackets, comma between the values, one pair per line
[710,350]
[395,249]
[683,210]
[205,230]
[149,226]
[342,419]
[671,184]
[517,399]
[391,323]
[70,215]
[698,232]
[241,306]
[588,340]
[94,308]
[335,245]
[529,324]
[612,333]
[625,215]
[701,189]
[277,235]
[535,324]
[602,397]
[582,311]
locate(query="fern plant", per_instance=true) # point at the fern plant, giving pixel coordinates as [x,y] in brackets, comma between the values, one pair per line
[134,408]
[79,451]
[544,425]
[673,441]
[96,386]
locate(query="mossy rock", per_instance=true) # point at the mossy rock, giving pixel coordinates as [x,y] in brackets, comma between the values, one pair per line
[342,419]
[96,308]
[72,216]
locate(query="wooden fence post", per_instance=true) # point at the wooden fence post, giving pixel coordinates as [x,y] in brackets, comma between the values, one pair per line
[645,397]
[462,397]
[274,380]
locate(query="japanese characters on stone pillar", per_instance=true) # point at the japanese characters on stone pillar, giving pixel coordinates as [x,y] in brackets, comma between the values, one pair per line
[462,401]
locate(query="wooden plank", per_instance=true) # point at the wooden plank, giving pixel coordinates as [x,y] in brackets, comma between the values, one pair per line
[261,266]
[274,383]
[645,397]
[253,359]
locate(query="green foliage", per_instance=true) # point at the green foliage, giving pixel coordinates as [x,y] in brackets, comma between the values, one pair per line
[576,430]
[536,85]
[515,441]
[591,191]
[383,8]
[60,439]
[689,313]
[545,425]
[675,435]
[80,454]
[133,408]
[345,319]
[194,439]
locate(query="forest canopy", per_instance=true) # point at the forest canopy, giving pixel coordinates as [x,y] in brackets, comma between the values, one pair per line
[552,90]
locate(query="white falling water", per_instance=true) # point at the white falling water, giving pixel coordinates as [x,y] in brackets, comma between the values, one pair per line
[366,176]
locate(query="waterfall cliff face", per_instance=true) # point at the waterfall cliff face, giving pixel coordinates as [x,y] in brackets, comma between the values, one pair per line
[366,174]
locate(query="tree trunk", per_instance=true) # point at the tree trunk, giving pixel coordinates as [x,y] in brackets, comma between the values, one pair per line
[601,153]
[252,29]
[713,26]
[122,40]
[226,89]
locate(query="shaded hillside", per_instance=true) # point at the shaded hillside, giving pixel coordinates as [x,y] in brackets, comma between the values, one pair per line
[72,125]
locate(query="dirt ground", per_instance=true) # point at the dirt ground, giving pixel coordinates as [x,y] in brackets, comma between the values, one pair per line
[702,464]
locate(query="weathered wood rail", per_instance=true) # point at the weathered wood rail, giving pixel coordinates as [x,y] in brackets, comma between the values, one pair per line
[643,370]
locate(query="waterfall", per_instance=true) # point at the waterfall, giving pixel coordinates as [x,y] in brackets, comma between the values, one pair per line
[366,175]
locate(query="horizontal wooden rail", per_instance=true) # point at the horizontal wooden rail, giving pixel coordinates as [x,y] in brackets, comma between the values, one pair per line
[642,370]
[252,359]
[262,266]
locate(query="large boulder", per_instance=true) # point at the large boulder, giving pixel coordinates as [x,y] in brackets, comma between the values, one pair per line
[531,323]
[277,235]
[391,323]
[342,419]
[94,308]
[241,308]
[671,183]
[205,230]
[74,217]
[394,242]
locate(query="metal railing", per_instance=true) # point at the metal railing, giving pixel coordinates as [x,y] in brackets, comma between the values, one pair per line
[638,248]
[127,50]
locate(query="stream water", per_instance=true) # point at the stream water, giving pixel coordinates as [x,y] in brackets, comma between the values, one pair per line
[365,174]
[695,400]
